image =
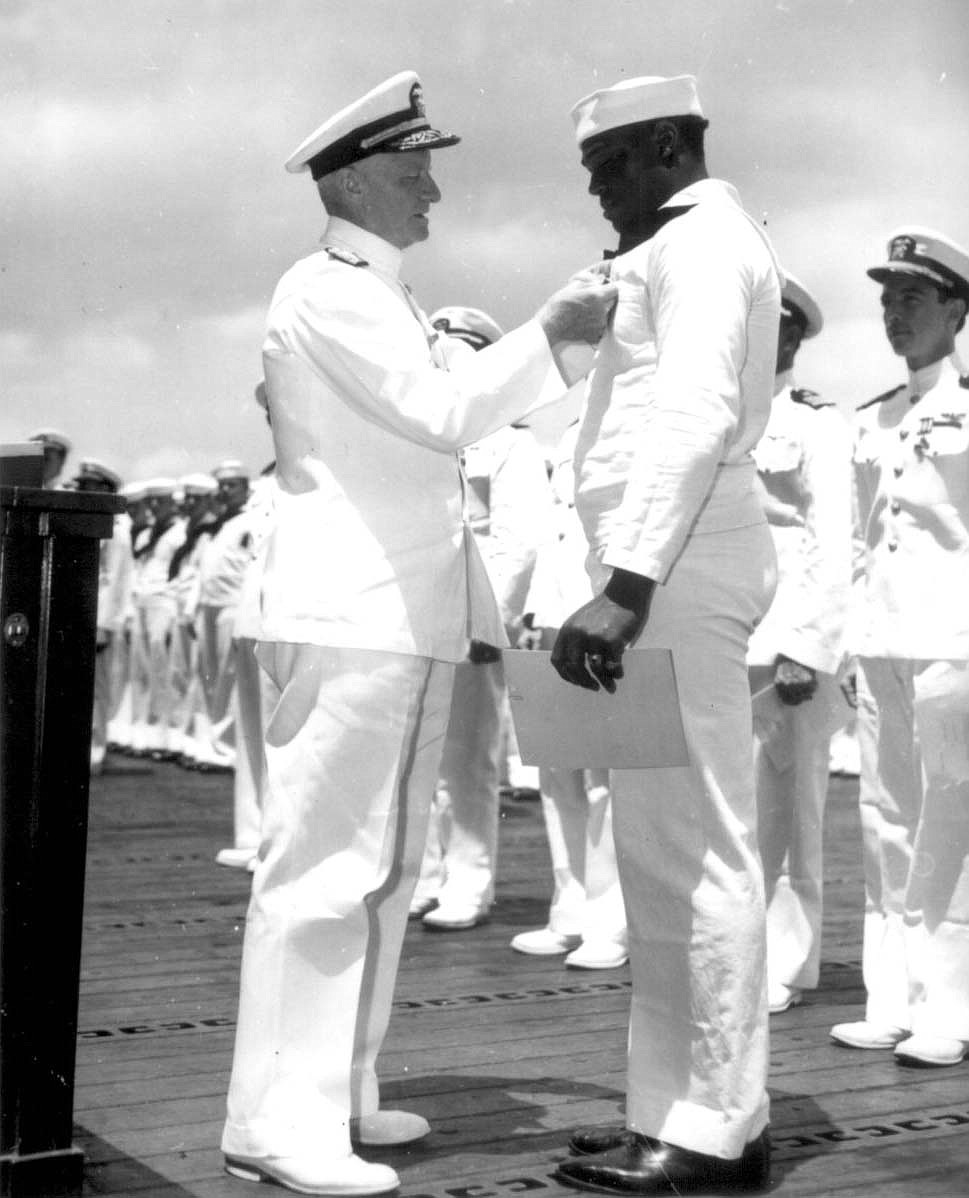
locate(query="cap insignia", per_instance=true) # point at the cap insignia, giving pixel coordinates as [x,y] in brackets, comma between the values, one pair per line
[417,100]
[902,249]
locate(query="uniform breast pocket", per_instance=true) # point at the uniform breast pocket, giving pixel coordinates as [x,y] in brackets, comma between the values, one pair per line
[945,450]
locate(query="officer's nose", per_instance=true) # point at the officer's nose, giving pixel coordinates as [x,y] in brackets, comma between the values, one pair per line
[432,193]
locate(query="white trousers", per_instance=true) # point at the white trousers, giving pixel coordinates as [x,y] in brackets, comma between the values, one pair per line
[587,897]
[103,673]
[690,870]
[352,753]
[460,858]
[791,760]
[217,670]
[152,696]
[913,733]
[253,708]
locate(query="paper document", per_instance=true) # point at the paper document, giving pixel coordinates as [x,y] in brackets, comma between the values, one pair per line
[558,724]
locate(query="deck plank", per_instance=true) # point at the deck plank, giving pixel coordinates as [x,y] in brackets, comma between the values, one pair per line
[503,1053]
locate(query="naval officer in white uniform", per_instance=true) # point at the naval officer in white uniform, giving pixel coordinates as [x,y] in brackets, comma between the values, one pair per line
[681,558]
[371,591]
[912,478]
[804,461]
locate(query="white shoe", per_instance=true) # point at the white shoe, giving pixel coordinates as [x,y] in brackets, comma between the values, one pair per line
[389,1127]
[235,858]
[543,942]
[348,1175]
[451,918]
[864,1034]
[597,954]
[782,998]
[420,906]
[931,1050]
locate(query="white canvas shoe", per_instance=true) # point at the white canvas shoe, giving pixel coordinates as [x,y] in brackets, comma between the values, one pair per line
[543,942]
[235,858]
[931,1050]
[598,954]
[347,1176]
[389,1127]
[864,1034]
[782,998]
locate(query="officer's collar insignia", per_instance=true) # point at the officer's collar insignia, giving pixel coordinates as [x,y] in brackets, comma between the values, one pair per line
[811,398]
[347,256]
[880,398]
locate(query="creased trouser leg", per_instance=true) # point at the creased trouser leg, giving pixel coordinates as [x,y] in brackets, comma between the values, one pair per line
[352,750]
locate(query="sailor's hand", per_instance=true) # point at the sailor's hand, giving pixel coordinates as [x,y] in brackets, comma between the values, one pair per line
[589,647]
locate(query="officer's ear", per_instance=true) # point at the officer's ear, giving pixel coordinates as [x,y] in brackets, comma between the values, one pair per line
[957,312]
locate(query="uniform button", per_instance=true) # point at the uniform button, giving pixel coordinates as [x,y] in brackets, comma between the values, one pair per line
[892,546]
[897,471]
[896,507]
[902,434]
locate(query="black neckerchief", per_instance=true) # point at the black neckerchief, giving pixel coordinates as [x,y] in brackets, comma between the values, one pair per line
[661,217]
[157,532]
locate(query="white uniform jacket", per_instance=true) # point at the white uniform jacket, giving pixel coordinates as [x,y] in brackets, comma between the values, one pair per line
[804,458]
[151,565]
[224,558]
[261,507]
[679,396]
[369,549]
[115,570]
[912,478]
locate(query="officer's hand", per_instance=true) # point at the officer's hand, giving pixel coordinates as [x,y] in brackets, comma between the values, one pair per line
[793,682]
[579,311]
[589,647]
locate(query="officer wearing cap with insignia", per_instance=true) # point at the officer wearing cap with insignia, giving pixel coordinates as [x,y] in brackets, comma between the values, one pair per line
[114,585]
[804,460]
[56,448]
[911,636]
[371,591]
[509,511]
[681,558]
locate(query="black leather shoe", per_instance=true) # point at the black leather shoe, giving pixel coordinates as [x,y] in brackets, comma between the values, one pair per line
[589,1140]
[643,1166]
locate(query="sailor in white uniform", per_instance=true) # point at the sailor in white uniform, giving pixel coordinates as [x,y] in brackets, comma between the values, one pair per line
[114,592]
[911,636]
[371,590]
[804,460]
[681,558]
[586,918]
[155,605]
[508,509]
[130,525]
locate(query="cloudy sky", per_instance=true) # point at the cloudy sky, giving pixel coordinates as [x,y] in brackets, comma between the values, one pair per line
[146,215]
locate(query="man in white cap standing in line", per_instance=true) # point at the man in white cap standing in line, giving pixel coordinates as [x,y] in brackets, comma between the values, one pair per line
[912,640]
[678,398]
[371,591]
[804,460]
[509,511]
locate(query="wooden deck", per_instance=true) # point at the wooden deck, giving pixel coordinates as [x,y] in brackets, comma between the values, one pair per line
[503,1053]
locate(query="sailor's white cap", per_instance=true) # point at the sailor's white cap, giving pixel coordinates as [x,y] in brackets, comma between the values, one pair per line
[647,98]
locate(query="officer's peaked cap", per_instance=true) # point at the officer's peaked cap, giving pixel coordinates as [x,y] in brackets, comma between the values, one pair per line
[799,304]
[52,437]
[470,324]
[92,469]
[918,251]
[389,119]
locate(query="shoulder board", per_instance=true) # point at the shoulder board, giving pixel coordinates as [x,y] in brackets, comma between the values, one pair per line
[347,256]
[811,398]
[880,398]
